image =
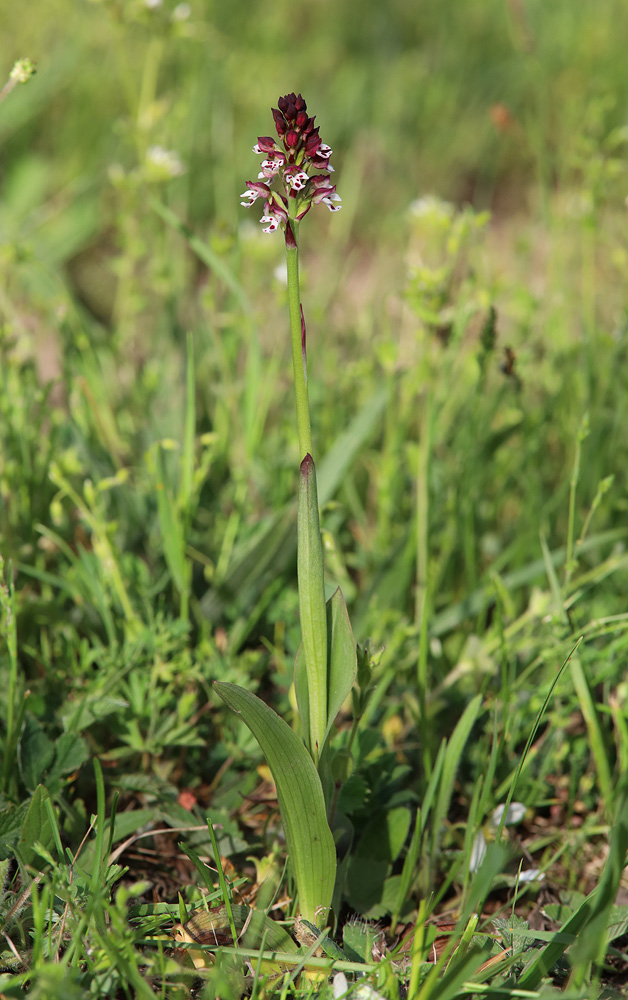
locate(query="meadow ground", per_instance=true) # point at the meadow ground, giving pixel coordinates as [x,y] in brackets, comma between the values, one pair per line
[467,324]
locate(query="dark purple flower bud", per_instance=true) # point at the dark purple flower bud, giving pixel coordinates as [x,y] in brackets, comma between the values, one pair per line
[291,139]
[266,145]
[301,120]
[280,123]
[322,193]
[320,180]
[311,144]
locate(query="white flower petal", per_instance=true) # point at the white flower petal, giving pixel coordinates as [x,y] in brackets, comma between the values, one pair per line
[478,852]
[340,985]
[532,875]
[330,200]
[273,223]
[516,812]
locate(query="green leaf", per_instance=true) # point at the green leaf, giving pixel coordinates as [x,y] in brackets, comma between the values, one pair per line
[453,756]
[36,753]
[11,820]
[358,937]
[341,656]
[70,752]
[311,848]
[302,696]
[36,827]
[341,666]
[385,835]
[312,609]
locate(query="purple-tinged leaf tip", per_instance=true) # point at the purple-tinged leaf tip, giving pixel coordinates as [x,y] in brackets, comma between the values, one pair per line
[307,466]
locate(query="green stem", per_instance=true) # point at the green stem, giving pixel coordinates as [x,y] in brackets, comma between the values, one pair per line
[298,348]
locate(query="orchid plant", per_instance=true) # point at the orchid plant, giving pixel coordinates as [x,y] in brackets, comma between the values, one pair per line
[295,174]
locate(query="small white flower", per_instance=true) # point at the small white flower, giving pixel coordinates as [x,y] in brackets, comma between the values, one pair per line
[181,12]
[22,70]
[297,181]
[478,852]
[269,169]
[429,205]
[273,223]
[324,151]
[531,875]
[165,163]
[516,812]
[153,4]
[329,201]
[281,273]
[363,991]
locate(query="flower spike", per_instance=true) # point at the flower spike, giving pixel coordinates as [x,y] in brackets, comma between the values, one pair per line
[293,161]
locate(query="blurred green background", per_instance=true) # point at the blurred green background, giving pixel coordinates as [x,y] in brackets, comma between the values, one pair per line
[478,102]
[141,119]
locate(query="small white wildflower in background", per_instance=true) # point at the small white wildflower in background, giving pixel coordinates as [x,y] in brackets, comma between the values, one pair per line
[152,4]
[22,71]
[478,852]
[430,205]
[281,273]
[163,164]
[362,992]
[181,12]
[531,875]
[516,812]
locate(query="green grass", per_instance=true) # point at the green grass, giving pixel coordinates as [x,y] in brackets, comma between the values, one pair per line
[473,501]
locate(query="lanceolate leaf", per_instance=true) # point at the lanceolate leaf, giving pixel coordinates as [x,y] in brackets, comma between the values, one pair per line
[312,604]
[341,656]
[341,666]
[301,692]
[312,854]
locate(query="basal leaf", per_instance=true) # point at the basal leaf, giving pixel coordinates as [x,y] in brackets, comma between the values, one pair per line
[312,855]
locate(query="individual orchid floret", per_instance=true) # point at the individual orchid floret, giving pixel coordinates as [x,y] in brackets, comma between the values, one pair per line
[293,162]
[255,191]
